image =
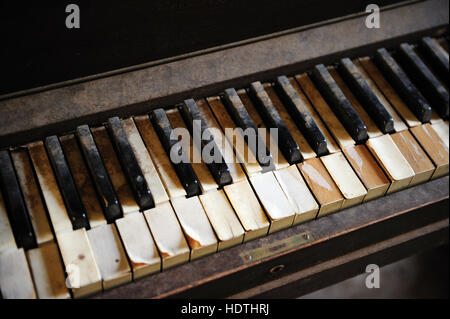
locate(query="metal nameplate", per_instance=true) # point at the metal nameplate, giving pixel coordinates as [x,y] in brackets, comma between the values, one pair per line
[276,247]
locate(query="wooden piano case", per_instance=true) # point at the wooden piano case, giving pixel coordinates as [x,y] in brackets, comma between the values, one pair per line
[291,262]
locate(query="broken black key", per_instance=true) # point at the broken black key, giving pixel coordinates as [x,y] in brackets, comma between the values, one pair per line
[372,104]
[436,57]
[301,115]
[174,151]
[286,142]
[15,206]
[403,85]
[430,86]
[103,186]
[130,165]
[339,103]
[216,163]
[243,120]
[74,206]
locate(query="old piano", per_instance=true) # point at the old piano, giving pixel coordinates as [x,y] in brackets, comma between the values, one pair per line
[93,205]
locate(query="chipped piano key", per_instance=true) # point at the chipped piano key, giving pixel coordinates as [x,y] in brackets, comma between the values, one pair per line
[217,166]
[48,273]
[286,142]
[271,139]
[145,162]
[422,76]
[248,209]
[322,186]
[243,120]
[102,182]
[183,168]
[168,235]
[243,153]
[416,157]
[301,115]
[15,206]
[235,169]
[220,213]
[69,192]
[305,148]
[339,103]
[16,281]
[333,124]
[160,159]
[115,173]
[7,240]
[371,127]
[393,162]
[110,256]
[345,178]
[403,85]
[196,226]
[436,56]
[130,165]
[31,195]
[391,95]
[84,276]
[139,245]
[367,97]
[399,125]
[298,194]
[205,178]
[82,180]
[277,206]
[441,129]
[434,147]
[368,171]
[49,188]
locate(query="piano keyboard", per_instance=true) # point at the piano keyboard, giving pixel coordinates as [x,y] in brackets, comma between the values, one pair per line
[103,206]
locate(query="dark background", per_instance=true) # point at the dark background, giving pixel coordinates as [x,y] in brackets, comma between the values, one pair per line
[37,48]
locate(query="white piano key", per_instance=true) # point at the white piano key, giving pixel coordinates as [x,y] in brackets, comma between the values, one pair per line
[293,185]
[15,277]
[139,245]
[83,273]
[7,240]
[49,187]
[32,196]
[195,224]
[48,273]
[223,219]
[145,162]
[168,235]
[248,209]
[274,201]
[110,256]
[345,178]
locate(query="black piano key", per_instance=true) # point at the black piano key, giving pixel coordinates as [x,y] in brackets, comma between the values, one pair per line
[103,186]
[429,85]
[340,105]
[15,206]
[286,142]
[69,192]
[436,57]
[403,85]
[243,120]
[370,101]
[183,168]
[130,164]
[219,169]
[301,115]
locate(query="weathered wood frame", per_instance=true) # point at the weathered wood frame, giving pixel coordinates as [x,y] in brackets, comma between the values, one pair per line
[33,116]
[380,231]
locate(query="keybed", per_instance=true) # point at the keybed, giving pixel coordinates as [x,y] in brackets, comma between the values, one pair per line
[110,203]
